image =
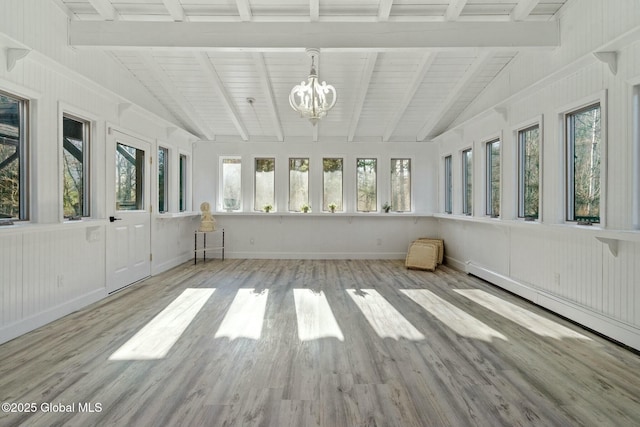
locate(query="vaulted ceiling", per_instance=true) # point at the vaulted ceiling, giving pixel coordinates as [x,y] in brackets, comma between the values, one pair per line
[403,69]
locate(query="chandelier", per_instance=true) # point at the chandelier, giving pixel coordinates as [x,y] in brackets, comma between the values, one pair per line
[312,99]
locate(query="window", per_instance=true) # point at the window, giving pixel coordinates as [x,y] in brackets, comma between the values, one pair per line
[332,183]
[401,185]
[231,171]
[493,179]
[13,157]
[529,172]
[163,174]
[183,183]
[264,190]
[298,183]
[129,178]
[467,181]
[366,185]
[448,185]
[583,164]
[75,160]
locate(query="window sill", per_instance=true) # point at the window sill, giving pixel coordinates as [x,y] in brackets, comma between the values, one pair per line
[171,215]
[325,214]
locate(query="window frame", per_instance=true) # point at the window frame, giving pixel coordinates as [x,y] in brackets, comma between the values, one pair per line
[289,170]
[448,183]
[520,167]
[391,169]
[166,178]
[490,178]
[467,181]
[567,147]
[183,182]
[325,203]
[87,129]
[255,187]
[221,199]
[23,154]
[358,159]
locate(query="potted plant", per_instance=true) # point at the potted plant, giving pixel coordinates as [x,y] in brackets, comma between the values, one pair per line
[386,207]
[332,207]
[267,208]
[305,208]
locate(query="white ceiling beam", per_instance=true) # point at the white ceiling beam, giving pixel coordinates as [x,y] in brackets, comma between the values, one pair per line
[63,7]
[329,36]
[523,9]
[363,89]
[190,115]
[226,101]
[244,10]
[444,107]
[418,77]
[267,89]
[314,10]
[105,9]
[384,10]
[175,9]
[454,10]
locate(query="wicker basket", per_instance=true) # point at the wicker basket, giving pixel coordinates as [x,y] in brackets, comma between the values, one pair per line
[422,256]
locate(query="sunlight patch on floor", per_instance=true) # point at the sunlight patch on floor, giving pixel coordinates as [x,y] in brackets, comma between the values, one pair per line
[315,318]
[385,320]
[523,317]
[157,337]
[453,317]
[245,315]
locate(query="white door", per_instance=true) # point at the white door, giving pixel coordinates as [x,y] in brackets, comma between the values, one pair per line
[128,232]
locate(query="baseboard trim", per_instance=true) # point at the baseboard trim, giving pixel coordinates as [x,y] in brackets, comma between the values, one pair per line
[316,255]
[35,321]
[607,326]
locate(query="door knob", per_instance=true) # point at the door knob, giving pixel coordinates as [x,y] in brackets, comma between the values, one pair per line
[113,219]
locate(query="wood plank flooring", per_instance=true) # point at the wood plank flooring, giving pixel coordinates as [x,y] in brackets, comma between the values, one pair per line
[378,346]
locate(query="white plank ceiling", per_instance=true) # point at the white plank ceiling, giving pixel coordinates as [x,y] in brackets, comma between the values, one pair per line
[225,68]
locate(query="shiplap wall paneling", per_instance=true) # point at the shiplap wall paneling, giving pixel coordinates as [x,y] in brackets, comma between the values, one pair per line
[11,256]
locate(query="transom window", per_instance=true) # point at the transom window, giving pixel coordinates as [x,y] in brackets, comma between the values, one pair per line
[13,157]
[583,132]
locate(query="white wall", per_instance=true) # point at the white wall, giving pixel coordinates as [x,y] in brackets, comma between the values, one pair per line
[49,267]
[319,235]
[557,264]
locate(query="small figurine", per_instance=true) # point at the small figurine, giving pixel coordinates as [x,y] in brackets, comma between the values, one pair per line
[207,223]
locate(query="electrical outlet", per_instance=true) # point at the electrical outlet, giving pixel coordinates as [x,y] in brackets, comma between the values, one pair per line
[252,241]
[60,280]
[379,242]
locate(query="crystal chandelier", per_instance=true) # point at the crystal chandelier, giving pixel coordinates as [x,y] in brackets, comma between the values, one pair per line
[312,99]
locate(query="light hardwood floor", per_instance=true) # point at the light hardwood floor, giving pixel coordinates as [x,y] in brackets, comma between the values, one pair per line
[359,343]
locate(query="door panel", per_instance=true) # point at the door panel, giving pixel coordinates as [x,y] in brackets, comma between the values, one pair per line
[129,234]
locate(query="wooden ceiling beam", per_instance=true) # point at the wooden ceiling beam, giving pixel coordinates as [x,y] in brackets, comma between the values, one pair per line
[460,86]
[267,89]
[226,101]
[175,9]
[418,77]
[523,9]
[189,114]
[363,89]
[328,36]
[454,9]
[105,9]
